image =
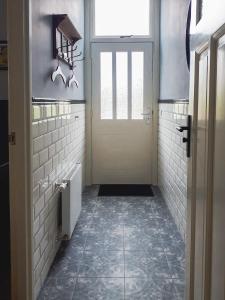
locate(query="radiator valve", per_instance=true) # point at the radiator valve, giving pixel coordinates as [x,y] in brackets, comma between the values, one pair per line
[61,186]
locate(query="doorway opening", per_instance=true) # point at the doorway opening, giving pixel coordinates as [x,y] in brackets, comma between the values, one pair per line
[124,246]
[122,113]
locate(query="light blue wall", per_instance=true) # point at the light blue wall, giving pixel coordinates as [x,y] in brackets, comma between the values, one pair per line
[43,63]
[174,74]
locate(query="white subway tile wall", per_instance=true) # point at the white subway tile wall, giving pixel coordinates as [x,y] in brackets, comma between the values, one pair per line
[172,161]
[58,144]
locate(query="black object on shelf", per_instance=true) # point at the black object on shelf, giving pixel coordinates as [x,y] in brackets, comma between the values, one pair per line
[65,36]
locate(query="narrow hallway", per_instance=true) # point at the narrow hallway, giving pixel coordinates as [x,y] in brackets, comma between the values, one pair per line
[122,248]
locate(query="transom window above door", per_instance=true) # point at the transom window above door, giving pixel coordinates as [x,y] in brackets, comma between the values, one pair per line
[122,18]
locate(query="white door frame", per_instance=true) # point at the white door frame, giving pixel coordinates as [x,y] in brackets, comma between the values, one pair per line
[155,4]
[19,30]
[210,44]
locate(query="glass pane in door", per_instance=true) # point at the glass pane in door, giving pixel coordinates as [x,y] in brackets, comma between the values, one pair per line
[122,85]
[106,86]
[137,85]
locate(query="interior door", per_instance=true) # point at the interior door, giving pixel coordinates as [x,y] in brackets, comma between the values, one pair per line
[201,176]
[122,113]
[206,193]
[218,237]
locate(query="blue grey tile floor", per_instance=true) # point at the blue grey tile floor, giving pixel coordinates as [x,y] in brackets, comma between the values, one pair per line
[123,248]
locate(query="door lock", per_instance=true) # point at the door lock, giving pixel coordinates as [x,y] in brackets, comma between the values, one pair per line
[187,139]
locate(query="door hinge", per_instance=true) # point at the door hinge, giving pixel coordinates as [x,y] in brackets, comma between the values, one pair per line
[12,138]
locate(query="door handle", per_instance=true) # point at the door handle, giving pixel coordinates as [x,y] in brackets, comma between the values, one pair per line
[182,128]
[146,114]
[187,139]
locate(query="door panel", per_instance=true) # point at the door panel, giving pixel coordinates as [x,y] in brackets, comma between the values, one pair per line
[206,205]
[201,177]
[218,248]
[122,113]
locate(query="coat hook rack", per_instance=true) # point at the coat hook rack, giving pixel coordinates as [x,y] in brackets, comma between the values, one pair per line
[58,72]
[77,55]
[73,80]
[65,36]
[64,46]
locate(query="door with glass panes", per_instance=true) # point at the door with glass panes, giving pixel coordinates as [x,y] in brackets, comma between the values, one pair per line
[122,113]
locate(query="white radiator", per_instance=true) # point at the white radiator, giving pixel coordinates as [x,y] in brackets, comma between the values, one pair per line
[71,201]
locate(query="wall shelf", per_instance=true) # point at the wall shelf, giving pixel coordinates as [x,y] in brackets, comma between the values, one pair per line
[65,36]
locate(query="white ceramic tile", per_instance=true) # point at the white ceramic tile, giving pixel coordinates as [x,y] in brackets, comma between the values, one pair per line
[47,139]
[59,143]
[36,163]
[35,129]
[51,124]
[38,237]
[36,194]
[36,257]
[172,161]
[44,184]
[43,127]
[43,156]
[51,151]
[38,175]
[38,144]
[39,206]
[44,243]
[48,168]
[36,225]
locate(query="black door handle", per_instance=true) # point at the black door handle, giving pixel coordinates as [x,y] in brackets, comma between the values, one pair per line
[187,139]
[182,128]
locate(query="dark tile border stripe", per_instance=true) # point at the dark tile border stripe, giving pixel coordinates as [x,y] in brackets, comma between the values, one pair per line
[173,101]
[46,101]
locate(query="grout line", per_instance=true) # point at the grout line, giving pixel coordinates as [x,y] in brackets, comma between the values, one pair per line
[76,282]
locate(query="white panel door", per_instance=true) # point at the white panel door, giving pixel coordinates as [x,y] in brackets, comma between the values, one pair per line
[218,242]
[122,113]
[201,178]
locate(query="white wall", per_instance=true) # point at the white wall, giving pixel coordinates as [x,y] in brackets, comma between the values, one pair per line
[172,161]
[58,144]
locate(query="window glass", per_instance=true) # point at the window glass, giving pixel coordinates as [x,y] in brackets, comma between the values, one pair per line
[137,85]
[106,86]
[122,85]
[122,17]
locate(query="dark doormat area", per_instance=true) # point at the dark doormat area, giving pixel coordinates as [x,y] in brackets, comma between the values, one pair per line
[116,190]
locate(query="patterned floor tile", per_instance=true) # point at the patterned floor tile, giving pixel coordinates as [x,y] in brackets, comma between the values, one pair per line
[145,264]
[99,289]
[136,239]
[122,248]
[102,264]
[147,289]
[177,265]
[58,289]
[109,240]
